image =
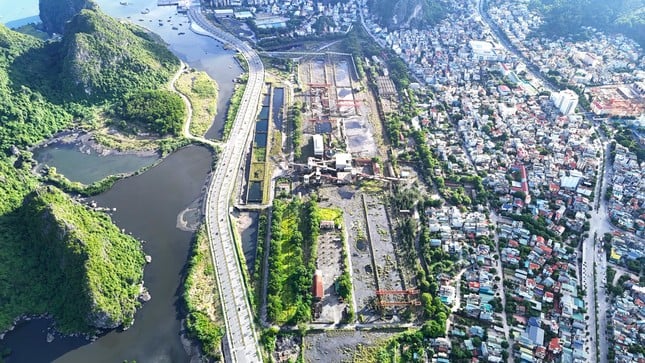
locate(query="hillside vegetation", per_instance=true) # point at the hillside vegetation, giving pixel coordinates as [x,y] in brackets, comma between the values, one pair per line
[568,17]
[56,256]
[408,13]
[55,13]
[74,247]
[106,59]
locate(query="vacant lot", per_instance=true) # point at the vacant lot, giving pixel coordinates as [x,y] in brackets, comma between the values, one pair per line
[340,346]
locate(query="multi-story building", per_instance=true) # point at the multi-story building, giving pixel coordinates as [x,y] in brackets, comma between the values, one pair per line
[565,100]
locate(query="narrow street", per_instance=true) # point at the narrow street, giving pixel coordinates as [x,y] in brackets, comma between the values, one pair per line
[494,218]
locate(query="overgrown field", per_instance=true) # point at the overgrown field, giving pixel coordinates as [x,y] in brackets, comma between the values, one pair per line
[201,90]
[201,296]
[294,230]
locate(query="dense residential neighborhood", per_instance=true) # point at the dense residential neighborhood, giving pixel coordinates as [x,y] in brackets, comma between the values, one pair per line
[323,181]
[530,153]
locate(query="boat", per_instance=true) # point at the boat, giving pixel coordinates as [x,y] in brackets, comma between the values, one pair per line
[123,3]
[181,33]
[145,11]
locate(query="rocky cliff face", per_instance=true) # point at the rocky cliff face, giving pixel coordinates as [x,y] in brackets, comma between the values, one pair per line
[396,14]
[56,13]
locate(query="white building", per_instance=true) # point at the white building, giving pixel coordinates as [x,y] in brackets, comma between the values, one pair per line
[485,51]
[566,101]
[319,147]
[343,162]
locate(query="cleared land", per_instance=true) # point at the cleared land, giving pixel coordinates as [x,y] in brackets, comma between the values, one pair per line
[331,263]
[344,346]
[363,278]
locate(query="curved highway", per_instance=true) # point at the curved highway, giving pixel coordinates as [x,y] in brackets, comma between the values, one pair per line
[241,343]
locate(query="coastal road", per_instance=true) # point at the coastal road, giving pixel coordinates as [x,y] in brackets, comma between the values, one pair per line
[241,343]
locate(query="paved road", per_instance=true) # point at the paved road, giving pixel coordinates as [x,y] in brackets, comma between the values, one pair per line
[503,39]
[594,259]
[241,343]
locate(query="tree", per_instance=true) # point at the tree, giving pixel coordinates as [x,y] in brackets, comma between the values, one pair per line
[160,111]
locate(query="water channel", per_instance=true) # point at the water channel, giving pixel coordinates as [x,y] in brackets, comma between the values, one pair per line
[148,206]
[88,167]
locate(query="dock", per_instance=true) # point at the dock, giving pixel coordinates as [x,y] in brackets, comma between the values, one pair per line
[182,5]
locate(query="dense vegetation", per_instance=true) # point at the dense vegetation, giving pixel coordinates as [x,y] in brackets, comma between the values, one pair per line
[202,298]
[568,17]
[104,58]
[56,256]
[76,248]
[408,13]
[26,116]
[294,231]
[294,116]
[159,111]
[54,14]
[50,243]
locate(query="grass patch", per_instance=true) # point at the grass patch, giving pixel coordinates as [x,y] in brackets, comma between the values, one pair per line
[201,90]
[276,143]
[331,214]
[371,186]
[257,171]
[234,105]
[259,154]
[204,319]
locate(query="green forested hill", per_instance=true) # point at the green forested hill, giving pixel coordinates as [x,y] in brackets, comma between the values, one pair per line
[104,58]
[44,85]
[56,256]
[408,13]
[55,13]
[84,252]
[26,113]
[567,17]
